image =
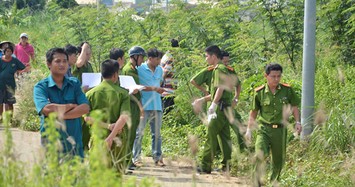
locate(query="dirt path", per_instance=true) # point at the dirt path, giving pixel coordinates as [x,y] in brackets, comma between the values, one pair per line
[176,173]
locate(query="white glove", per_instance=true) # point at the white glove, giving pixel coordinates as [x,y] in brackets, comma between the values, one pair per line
[248,135]
[211,112]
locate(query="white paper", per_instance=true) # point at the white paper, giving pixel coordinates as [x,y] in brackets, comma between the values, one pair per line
[129,83]
[91,79]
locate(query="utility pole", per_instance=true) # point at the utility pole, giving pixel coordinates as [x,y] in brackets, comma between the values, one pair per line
[308,68]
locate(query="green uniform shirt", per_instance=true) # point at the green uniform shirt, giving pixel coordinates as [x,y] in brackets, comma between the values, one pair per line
[271,105]
[78,72]
[110,98]
[224,77]
[204,76]
[7,73]
[130,70]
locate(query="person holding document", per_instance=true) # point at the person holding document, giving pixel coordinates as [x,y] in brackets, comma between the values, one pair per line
[136,57]
[151,76]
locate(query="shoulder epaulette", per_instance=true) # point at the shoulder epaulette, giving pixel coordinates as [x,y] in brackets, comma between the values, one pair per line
[259,88]
[286,85]
[230,68]
[210,68]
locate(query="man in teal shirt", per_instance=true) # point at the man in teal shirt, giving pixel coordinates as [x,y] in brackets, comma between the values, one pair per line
[62,95]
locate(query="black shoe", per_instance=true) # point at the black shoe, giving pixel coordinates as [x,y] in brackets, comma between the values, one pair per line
[201,171]
[132,167]
[128,172]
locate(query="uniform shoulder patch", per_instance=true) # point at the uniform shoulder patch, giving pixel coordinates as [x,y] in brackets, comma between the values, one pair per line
[286,85]
[210,68]
[259,88]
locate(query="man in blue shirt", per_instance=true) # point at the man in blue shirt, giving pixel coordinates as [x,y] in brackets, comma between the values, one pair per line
[62,95]
[151,75]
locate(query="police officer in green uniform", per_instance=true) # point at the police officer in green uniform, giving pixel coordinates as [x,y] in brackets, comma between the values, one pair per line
[82,65]
[136,55]
[218,123]
[114,101]
[204,77]
[270,100]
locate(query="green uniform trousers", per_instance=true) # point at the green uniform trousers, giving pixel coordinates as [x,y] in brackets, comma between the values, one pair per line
[273,139]
[219,126]
[135,117]
[86,134]
[235,128]
[119,151]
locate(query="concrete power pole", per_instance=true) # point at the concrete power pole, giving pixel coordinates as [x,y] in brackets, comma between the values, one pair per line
[308,68]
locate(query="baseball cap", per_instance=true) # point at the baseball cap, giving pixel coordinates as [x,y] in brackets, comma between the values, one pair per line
[23,35]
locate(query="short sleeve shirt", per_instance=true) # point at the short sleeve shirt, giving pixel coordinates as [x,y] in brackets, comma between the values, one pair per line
[151,100]
[130,70]
[111,99]
[46,92]
[224,77]
[7,72]
[24,53]
[78,72]
[271,105]
[204,77]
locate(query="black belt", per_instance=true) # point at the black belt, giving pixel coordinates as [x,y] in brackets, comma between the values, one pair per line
[223,105]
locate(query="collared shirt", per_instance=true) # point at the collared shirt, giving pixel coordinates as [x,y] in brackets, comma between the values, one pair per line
[24,53]
[46,91]
[7,72]
[224,77]
[111,99]
[150,99]
[204,77]
[78,72]
[271,105]
[130,70]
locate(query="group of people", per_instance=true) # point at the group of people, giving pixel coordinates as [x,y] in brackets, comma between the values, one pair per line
[14,61]
[220,85]
[126,115]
